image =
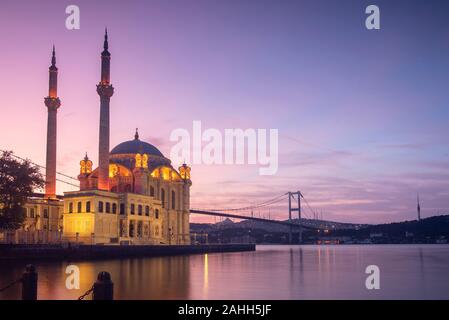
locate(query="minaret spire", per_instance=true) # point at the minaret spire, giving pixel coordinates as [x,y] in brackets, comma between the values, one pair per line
[52,103]
[106,44]
[53,57]
[105,61]
[105,91]
[53,76]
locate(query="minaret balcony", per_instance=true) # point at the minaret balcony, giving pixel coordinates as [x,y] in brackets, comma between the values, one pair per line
[52,103]
[105,90]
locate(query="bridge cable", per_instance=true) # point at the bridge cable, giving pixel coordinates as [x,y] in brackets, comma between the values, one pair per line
[38,165]
[260,205]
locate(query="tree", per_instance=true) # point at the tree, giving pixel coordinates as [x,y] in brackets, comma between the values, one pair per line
[18,180]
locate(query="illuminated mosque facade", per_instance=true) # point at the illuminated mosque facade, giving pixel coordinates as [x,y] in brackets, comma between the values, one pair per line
[134,196]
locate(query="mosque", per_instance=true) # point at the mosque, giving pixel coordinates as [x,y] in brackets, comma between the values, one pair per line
[135,196]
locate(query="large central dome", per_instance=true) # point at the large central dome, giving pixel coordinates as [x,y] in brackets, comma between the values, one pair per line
[136,146]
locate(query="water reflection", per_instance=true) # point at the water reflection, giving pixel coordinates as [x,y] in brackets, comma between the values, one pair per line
[206,274]
[272,272]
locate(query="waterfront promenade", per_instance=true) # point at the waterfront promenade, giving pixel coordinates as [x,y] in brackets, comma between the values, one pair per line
[88,252]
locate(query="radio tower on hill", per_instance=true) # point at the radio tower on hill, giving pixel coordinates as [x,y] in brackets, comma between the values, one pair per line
[418,208]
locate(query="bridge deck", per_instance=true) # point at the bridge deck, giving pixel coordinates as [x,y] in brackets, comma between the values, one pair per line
[236,216]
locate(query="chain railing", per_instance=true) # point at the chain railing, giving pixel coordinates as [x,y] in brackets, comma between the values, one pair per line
[10,285]
[88,292]
[29,283]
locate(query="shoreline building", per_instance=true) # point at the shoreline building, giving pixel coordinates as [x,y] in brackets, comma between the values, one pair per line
[134,196]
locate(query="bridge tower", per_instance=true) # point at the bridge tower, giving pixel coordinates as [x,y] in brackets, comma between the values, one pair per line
[299,195]
[291,195]
[290,216]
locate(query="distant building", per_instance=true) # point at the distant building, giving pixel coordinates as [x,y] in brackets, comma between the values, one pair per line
[409,234]
[441,240]
[376,235]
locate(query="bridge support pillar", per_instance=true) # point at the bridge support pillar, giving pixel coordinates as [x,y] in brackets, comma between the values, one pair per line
[290,195]
[299,195]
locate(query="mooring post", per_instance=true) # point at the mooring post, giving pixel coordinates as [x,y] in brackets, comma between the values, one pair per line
[103,287]
[29,283]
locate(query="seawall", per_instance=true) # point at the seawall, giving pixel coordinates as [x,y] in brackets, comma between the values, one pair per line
[88,252]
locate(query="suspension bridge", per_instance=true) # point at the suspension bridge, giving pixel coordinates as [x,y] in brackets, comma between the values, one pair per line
[290,196]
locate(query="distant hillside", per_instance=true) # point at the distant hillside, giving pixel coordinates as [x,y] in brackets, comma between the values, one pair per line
[429,230]
[432,227]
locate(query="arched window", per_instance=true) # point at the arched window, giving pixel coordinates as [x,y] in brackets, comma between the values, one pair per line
[173,200]
[114,208]
[108,207]
[88,206]
[156,213]
[139,210]
[71,207]
[151,191]
[147,211]
[122,208]
[100,206]
[133,208]
[163,198]
[78,209]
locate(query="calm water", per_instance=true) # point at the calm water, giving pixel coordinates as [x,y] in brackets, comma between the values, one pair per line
[272,272]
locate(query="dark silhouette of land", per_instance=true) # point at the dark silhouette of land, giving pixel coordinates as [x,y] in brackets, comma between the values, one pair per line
[430,230]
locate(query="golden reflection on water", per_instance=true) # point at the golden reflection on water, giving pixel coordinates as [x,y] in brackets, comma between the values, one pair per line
[152,278]
[206,274]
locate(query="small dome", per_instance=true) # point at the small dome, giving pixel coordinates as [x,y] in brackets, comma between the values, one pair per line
[136,146]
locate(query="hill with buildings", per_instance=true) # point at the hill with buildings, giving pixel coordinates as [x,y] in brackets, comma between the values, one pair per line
[429,230]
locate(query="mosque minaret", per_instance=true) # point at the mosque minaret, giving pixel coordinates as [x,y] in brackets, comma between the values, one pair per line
[53,103]
[105,91]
